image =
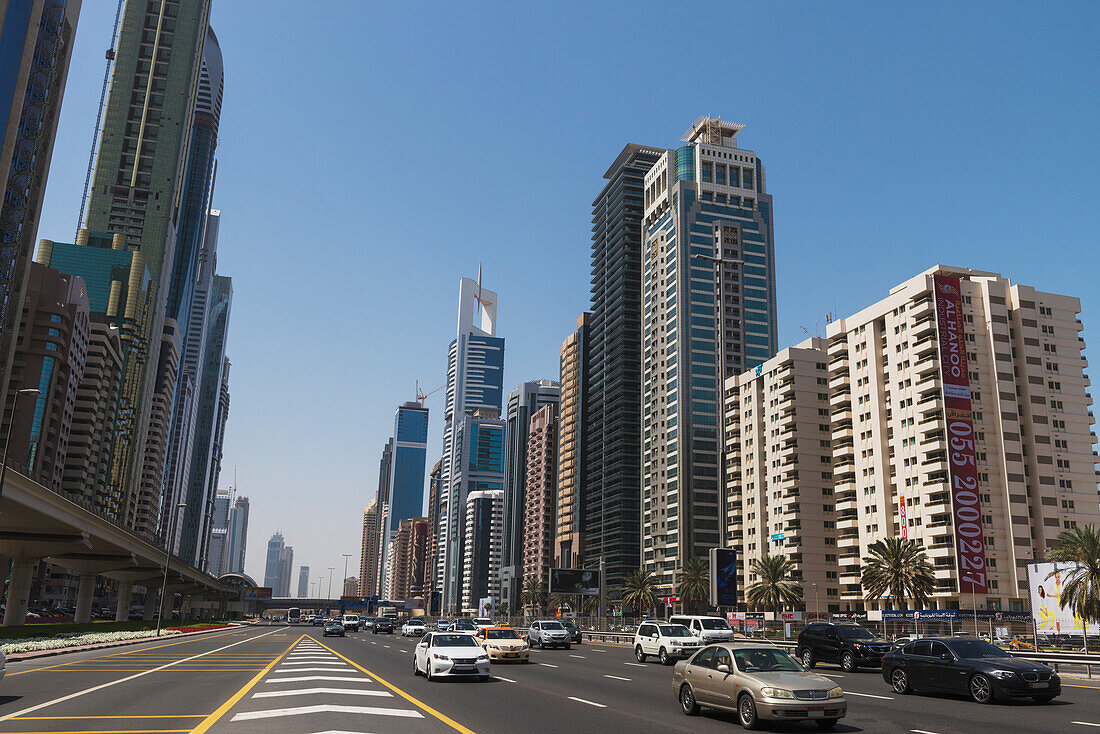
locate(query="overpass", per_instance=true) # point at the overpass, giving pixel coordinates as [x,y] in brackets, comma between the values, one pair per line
[39,524]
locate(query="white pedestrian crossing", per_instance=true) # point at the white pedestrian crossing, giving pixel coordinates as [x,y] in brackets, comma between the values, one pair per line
[327,709]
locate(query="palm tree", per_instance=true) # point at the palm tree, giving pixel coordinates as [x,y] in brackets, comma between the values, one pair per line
[556,602]
[640,590]
[774,586]
[533,594]
[899,570]
[693,583]
[1081,587]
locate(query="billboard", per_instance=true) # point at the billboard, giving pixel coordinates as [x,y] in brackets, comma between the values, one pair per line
[574,581]
[963,473]
[723,577]
[1045,581]
[260,592]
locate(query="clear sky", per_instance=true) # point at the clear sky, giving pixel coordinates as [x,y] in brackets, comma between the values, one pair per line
[372,153]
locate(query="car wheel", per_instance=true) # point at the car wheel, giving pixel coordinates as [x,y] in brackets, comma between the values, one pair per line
[1043,699]
[428,671]
[567,646]
[826,724]
[981,689]
[483,678]
[848,662]
[899,681]
[542,644]
[808,658]
[416,669]
[746,713]
[663,656]
[639,654]
[687,701]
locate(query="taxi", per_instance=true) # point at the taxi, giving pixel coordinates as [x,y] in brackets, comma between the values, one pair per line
[504,644]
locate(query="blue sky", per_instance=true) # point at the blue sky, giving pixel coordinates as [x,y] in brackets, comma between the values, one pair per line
[370,154]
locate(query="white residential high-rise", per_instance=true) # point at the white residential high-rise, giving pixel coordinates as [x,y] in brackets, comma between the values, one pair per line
[219,534]
[238,536]
[484,539]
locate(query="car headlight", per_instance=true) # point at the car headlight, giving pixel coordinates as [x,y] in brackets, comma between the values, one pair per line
[1002,674]
[483,658]
[437,656]
[675,643]
[837,692]
[776,692]
[857,646]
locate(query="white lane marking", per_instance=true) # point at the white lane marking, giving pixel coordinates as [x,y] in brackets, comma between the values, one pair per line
[616,677]
[869,695]
[1085,723]
[596,649]
[636,665]
[308,691]
[385,646]
[373,642]
[577,656]
[101,686]
[922,731]
[506,680]
[300,678]
[309,656]
[338,731]
[548,665]
[326,669]
[831,675]
[590,703]
[374,710]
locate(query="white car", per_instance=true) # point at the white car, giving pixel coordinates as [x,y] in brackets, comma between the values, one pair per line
[3,663]
[483,622]
[669,642]
[708,629]
[442,654]
[351,622]
[415,627]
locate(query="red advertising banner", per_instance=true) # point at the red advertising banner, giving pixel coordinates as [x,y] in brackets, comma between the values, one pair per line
[966,510]
[904,516]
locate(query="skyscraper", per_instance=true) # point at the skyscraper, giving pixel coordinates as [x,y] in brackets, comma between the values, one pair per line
[303,582]
[523,402]
[569,506]
[432,542]
[708,309]
[280,560]
[406,483]
[481,548]
[36,46]
[238,536]
[368,560]
[540,494]
[611,518]
[473,434]
[219,533]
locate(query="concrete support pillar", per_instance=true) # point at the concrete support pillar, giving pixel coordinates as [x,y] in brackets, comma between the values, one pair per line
[85,589]
[150,604]
[122,610]
[185,608]
[19,592]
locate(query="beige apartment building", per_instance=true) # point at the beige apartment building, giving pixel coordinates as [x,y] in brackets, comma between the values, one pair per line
[1032,429]
[779,483]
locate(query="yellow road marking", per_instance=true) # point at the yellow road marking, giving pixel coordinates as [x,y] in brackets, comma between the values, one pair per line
[1072,685]
[416,702]
[119,716]
[212,719]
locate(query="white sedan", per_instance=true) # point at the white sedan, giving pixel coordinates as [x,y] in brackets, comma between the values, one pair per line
[442,654]
[415,627]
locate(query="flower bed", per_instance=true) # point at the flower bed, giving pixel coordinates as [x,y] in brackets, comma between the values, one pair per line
[199,627]
[31,644]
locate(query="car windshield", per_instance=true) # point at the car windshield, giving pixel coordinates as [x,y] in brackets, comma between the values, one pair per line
[976,649]
[715,624]
[765,661]
[570,624]
[415,623]
[453,641]
[464,624]
[555,626]
[855,633]
[675,630]
[501,635]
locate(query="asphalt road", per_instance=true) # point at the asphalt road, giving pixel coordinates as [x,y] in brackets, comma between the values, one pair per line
[291,679]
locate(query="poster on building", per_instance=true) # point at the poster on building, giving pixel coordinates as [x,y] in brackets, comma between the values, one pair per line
[723,577]
[962,469]
[1045,582]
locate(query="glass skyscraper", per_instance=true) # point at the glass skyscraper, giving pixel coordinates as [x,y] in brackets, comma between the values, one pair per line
[708,307]
[405,489]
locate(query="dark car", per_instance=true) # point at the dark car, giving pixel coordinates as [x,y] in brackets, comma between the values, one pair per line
[318,620]
[850,645]
[335,627]
[464,625]
[383,625]
[968,666]
[574,630]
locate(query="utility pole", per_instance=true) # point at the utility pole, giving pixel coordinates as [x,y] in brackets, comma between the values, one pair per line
[167,559]
[330,570]
[345,579]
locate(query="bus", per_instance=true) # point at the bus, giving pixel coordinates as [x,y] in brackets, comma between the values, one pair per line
[293,615]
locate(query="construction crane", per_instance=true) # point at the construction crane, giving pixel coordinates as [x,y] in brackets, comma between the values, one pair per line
[421,395]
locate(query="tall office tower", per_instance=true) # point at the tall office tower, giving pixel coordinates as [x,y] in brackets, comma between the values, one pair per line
[86,478]
[280,560]
[137,187]
[432,542]
[36,44]
[779,478]
[473,434]
[961,379]
[410,544]
[523,402]
[705,203]
[538,505]
[50,356]
[219,534]
[406,482]
[212,409]
[303,582]
[567,543]
[351,585]
[238,536]
[216,454]
[381,511]
[611,518]
[148,505]
[118,297]
[368,561]
[483,532]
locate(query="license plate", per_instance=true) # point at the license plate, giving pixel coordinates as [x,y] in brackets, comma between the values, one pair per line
[1040,684]
[465,667]
[511,654]
[816,711]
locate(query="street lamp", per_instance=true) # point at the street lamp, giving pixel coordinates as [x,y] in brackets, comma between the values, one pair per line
[167,558]
[330,570]
[816,599]
[7,436]
[346,557]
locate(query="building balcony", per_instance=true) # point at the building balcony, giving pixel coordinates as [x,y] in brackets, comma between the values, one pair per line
[846,497]
[918,310]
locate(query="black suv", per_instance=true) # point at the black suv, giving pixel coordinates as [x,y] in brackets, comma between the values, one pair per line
[850,645]
[383,625]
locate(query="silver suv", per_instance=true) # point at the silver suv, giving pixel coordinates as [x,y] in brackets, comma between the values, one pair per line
[548,632]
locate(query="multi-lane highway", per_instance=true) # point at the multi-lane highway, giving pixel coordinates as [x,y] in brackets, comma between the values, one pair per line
[291,679]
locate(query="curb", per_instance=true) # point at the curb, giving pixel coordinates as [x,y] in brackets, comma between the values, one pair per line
[21,656]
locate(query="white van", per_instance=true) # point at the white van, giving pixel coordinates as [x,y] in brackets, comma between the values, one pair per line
[708,629]
[351,622]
